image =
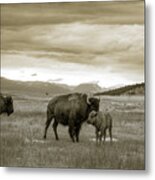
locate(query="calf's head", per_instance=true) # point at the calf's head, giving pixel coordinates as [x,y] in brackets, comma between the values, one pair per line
[92,117]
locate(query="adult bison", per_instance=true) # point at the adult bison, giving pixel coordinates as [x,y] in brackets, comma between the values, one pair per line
[72,110]
[6,105]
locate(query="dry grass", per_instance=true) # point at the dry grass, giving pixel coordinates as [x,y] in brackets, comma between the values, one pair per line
[22,143]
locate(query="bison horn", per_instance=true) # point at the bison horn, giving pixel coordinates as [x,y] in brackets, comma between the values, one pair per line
[88,102]
[88,98]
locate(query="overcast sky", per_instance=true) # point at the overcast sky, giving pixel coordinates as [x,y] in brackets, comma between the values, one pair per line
[73,43]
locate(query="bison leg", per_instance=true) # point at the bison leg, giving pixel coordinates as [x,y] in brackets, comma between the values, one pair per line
[48,122]
[55,124]
[104,134]
[77,131]
[110,133]
[72,133]
[100,137]
[97,136]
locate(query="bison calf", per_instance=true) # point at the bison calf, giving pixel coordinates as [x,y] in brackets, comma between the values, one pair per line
[102,121]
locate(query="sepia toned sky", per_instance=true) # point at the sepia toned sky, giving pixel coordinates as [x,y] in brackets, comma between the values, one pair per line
[73,43]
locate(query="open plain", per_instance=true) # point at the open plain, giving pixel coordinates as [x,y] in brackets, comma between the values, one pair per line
[22,143]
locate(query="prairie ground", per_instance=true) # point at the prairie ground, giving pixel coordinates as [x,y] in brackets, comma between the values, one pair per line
[22,143]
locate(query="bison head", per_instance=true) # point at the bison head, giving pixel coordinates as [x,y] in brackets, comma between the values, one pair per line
[9,105]
[92,117]
[93,104]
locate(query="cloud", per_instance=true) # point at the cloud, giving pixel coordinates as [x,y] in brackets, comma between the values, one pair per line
[34,74]
[86,12]
[55,80]
[71,43]
[78,43]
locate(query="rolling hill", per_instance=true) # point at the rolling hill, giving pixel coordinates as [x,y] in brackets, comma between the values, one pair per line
[136,89]
[87,88]
[33,88]
[43,89]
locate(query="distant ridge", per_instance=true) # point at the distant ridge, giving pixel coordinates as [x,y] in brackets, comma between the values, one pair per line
[87,88]
[136,89]
[38,88]
[46,88]
[34,88]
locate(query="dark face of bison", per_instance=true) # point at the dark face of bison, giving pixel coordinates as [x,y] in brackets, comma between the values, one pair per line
[9,105]
[94,104]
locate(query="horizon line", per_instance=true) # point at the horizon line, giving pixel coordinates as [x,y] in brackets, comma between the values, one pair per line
[94,83]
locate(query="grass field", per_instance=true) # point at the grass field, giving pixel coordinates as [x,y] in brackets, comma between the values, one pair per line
[22,143]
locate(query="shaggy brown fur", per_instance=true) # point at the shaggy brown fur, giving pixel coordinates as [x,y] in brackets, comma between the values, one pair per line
[102,121]
[6,105]
[70,110]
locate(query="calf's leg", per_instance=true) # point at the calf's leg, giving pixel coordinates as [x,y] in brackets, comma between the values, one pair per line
[97,136]
[110,133]
[104,134]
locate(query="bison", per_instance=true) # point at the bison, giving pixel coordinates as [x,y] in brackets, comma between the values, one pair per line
[6,105]
[102,121]
[70,110]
